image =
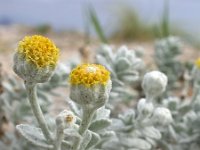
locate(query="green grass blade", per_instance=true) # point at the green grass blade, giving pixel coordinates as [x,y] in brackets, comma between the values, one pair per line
[165,25]
[96,23]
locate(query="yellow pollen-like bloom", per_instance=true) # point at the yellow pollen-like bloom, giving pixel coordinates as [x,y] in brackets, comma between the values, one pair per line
[89,75]
[39,50]
[197,62]
[69,118]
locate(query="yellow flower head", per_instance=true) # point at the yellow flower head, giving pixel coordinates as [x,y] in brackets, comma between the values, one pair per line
[39,50]
[89,75]
[197,63]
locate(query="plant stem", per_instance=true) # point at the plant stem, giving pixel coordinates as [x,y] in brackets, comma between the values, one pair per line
[59,138]
[31,92]
[196,92]
[87,117]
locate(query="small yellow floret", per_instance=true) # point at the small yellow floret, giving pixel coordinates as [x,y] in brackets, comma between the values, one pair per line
[69,118]
[197,62]
[89,75]
[39,50]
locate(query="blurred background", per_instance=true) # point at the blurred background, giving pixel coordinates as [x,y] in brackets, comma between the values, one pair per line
[74,24]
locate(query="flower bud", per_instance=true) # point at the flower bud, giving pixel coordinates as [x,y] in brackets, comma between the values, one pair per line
[35,59]
[154,84]
[145,108]
[65,119]
[162,116]
[90,85]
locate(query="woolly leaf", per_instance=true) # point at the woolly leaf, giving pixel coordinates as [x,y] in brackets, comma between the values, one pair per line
[99,124]
[129,78]
[135,143]
[184,108]
[86,139]
[33,135]
[190,139]
[66,145]
[152,133]
[107,134]
[128,117]
[102,60]
[151,141]
[102,113]
[112,145]
[172,133]
[94,140]
[122,52]
[122,64]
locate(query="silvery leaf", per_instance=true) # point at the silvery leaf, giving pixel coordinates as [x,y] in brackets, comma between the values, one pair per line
[33,135]
[99,124]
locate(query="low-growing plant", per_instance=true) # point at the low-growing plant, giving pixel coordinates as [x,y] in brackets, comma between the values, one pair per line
[126,70]
[156,121]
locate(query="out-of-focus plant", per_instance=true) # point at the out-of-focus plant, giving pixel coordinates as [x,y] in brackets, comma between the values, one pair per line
[129,26]
[43,29]
[95,22]
[184,132]
[126,69]
[165,21]
[163,29]
[166,52]
[140,128]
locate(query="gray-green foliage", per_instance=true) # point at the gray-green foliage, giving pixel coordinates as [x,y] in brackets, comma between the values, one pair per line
[184,132]
[140,128]
[98,126]
[166,52]
[171,124]
[15,107]
[126,69]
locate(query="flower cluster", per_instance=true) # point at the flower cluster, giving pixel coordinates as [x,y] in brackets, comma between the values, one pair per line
[39,50]
[89,75]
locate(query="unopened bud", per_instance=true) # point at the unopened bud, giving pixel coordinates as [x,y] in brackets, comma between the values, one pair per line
[65,119]
[154,84]
[145,108]
[162,116]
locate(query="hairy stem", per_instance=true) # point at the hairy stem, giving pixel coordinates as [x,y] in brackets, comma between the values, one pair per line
[31,92]
[87,117]
[196,92]
[59,138]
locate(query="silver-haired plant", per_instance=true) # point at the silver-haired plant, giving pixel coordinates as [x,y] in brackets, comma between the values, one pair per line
[126,69]
[35,61]
[166,52]
[171,124]
[140,128]
[184,132]
[16,109]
